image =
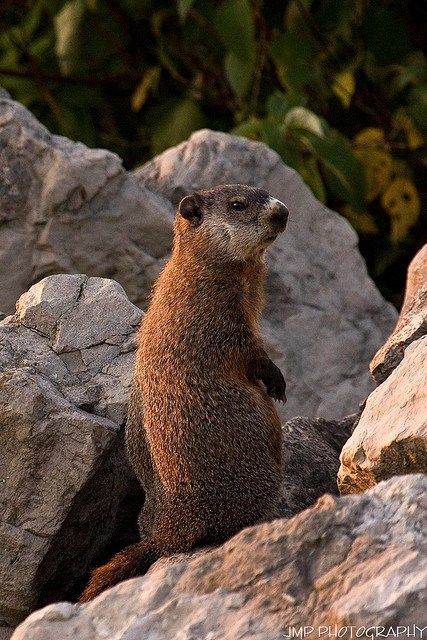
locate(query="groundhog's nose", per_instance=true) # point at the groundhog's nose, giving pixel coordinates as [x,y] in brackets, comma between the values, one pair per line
[279,215]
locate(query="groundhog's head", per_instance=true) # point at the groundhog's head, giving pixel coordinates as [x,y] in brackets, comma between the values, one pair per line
[239,220]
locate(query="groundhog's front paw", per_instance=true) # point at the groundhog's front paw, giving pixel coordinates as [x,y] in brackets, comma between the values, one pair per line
[272,377]
[276,385]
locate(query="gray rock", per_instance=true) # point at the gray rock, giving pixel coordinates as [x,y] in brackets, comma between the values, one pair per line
[65,208]
[66,361]
[310,454]
[412,323]
[357,561]
[324,317]
[391,437]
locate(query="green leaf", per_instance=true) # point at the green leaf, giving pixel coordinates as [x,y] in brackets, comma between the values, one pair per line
[311,175]
[180,121]
[278,105]
[384,259]
[79,97]
[43,45]
[78,122]
[293,57]
[32,20]
[23,89]
[295,14]
[343,172]
[89,42]
[184,7]
[234,22]
[273,135]
[249,129]
[238,73]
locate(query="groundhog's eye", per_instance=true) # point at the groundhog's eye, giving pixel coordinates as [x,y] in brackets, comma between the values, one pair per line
[238,205]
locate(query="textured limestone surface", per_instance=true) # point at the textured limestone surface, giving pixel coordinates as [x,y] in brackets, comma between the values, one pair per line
[357,560]
[65,208]
[324,317]
[412,322]
[66,360]
[391,436]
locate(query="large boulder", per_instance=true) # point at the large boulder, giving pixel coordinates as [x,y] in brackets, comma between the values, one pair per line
[65,208]
[66,360]
[357,562]
[391,436]
[412,323]
[324,317]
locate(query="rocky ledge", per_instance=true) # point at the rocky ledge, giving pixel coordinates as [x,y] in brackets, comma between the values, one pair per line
[353,562]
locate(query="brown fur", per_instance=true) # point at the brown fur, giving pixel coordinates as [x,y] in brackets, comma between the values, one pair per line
[203,434]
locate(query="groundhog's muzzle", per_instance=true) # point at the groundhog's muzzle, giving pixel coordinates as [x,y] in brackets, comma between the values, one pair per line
[277,215]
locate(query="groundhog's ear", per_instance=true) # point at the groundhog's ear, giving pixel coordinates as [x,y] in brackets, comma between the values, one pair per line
[190,208]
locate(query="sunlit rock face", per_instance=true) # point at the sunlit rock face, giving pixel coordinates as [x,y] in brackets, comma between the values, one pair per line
[391,436]
[412,322]
[357,561]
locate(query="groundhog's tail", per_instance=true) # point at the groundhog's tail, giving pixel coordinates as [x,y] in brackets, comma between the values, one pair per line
[133,561]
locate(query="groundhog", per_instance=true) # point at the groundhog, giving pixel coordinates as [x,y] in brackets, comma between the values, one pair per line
[202,433]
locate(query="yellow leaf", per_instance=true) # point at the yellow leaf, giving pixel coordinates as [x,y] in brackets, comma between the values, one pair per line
[371,149]
[140,94]
[363,222]
[402,203]
[378,167]
[343,86]
[370,137]
[405,122]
